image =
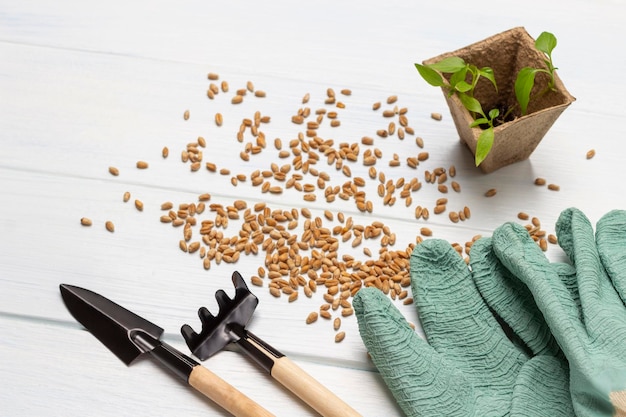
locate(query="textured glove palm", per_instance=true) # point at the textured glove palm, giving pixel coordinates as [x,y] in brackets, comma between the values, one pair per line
[469,367]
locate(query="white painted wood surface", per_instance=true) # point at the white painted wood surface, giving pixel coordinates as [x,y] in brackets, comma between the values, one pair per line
[87,85]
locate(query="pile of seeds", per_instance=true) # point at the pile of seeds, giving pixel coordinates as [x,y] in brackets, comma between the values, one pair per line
[302,253]
[296,263]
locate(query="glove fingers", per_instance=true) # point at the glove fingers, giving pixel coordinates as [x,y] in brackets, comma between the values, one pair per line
[422,381]
[456,320]
[602,307]
[611,241]
[521,255]
[542,389]
[510,299]
[576,237]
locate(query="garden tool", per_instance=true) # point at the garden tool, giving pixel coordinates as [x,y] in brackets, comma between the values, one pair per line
[230,326]
[128,336]
[486,355]
[590,323]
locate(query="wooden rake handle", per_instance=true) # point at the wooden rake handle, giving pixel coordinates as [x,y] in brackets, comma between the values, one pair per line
[320,398]
[292,377]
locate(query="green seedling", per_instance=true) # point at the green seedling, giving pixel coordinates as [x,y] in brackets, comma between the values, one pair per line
[525,81]
[463,78]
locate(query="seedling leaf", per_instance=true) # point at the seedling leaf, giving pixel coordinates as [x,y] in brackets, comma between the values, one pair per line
[546,42]
[483,146]
[488,74]
[431,76]
[471,104]
[450,64]
[462,87]
[523,86]
[493,113]
[479,122]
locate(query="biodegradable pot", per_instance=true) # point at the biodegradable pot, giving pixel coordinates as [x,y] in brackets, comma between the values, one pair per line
[507,53]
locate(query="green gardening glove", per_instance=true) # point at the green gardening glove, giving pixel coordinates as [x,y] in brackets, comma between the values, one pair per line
[591,331]
[468,367]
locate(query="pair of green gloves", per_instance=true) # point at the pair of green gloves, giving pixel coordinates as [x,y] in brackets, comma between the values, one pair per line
[513,335]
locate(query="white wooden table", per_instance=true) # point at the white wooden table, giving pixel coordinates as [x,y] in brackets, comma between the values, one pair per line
[88,85]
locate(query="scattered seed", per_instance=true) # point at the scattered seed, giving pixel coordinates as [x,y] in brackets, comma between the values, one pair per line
[392,99]
[275,292]
[591,153]
[337,323]
[425,231]
[237,99]
[213,76]
[126,197]
[114,171]
[553,187]
[436,116]
[109,226]
[186,115]
[490,192]
[85,221]
[552,239]
[340,336]
[523,216]
[142,165]
[219,119]
[312,317]
[540,181]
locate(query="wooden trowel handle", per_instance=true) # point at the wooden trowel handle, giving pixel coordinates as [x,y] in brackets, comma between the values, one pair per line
[224,394]
[320,398]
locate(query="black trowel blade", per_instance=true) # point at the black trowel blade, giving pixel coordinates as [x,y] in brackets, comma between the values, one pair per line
[111,323]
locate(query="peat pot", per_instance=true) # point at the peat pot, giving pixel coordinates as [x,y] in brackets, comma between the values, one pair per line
[507,53]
